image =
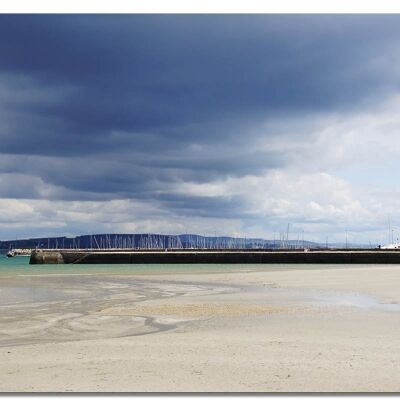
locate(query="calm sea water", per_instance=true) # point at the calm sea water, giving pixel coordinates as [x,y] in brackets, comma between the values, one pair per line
[20,266]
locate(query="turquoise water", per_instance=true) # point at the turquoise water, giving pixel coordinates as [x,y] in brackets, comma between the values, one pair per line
[20,266]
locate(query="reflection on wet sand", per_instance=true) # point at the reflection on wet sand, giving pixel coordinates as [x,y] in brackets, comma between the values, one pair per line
[56,309]
[304,330]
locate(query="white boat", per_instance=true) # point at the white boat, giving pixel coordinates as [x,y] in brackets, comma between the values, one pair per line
[19,253]
[391,246]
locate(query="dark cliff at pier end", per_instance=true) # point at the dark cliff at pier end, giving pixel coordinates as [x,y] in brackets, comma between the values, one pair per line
[223,256]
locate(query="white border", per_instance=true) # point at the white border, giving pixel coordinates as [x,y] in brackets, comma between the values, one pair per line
[211,396]
[200,6]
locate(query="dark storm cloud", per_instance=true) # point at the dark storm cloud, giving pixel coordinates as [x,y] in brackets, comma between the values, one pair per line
[122,105]
[202,206]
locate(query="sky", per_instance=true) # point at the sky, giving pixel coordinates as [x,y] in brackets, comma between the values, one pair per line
[209,124]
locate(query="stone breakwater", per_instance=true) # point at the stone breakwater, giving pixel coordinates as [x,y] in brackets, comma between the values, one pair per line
[231,256]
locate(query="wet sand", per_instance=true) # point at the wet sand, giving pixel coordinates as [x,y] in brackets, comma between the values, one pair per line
[318,330]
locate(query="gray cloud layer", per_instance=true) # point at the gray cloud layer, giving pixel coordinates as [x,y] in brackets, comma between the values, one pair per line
[133,106]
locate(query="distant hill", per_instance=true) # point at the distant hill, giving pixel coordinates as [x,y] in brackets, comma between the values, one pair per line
[147,240]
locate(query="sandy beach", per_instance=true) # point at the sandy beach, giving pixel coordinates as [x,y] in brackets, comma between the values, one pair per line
[298,330]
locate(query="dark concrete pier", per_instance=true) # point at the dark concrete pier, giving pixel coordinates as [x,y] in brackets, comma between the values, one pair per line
[222,256]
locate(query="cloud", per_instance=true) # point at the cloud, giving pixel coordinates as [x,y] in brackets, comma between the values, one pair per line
[184,122]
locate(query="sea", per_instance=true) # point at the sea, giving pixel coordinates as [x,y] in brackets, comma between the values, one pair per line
[20,266]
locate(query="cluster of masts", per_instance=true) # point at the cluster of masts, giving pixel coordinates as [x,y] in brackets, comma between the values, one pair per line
[152,241]
[392,244]
[188,241]
[158,241]
[130,242]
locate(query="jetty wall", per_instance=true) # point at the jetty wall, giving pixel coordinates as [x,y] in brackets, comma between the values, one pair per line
[214,257]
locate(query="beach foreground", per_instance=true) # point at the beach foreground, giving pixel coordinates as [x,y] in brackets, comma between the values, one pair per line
[302,330]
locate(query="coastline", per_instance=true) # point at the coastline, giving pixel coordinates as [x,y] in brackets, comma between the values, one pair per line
[320,329]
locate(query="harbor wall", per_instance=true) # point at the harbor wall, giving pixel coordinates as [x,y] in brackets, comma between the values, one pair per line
[215,257]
